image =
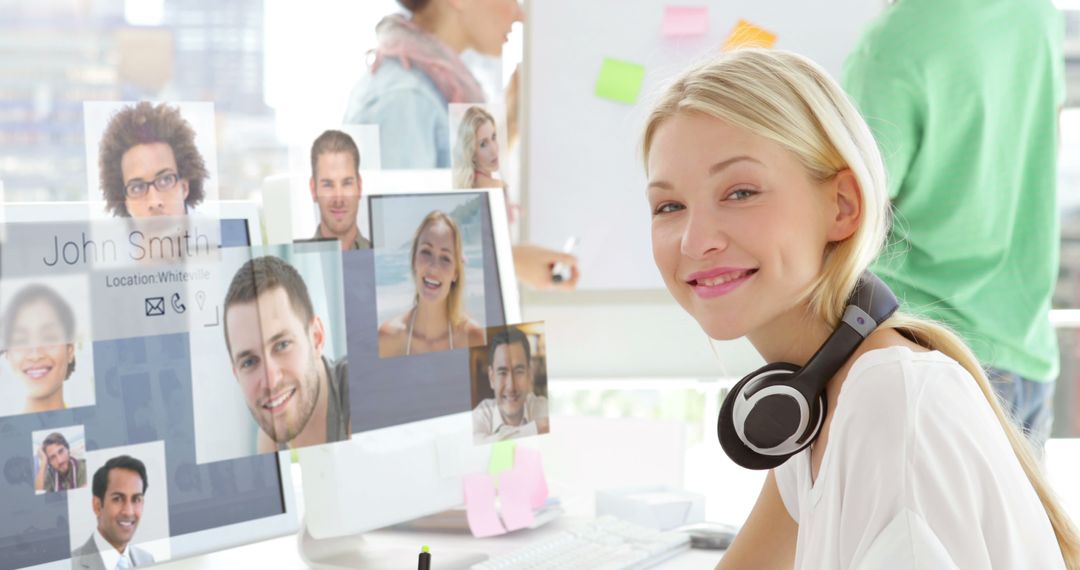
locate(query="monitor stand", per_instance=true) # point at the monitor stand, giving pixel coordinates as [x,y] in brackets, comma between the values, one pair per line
[350,552]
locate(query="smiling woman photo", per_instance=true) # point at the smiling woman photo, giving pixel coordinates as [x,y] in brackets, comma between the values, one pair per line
[769,202]
[39,332]
[437,320]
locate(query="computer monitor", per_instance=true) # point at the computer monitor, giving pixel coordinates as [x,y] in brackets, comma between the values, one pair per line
[412,442]
[121,394]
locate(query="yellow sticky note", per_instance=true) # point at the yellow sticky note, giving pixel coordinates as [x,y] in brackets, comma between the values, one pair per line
[746,35]
[502,456]
[620,80]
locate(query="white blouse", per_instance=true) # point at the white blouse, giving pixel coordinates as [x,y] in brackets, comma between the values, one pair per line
[917,474]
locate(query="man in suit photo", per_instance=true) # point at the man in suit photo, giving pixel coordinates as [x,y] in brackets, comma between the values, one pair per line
[119,489]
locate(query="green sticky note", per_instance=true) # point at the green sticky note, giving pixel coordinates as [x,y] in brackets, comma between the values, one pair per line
[620,80]
[502,456]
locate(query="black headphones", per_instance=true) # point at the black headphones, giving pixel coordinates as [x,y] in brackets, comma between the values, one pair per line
[777,410]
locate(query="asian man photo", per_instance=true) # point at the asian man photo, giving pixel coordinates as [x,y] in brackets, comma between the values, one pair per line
[119,489]
[275,342]
[336,188]
[515,410]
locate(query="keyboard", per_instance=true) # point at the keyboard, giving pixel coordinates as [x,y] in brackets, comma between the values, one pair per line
[606,543]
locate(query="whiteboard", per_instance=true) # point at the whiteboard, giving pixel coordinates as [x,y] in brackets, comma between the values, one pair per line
[583,173]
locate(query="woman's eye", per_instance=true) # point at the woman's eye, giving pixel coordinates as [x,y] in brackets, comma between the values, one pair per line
[667,208]
[444,259]
[282,345]
[741,194]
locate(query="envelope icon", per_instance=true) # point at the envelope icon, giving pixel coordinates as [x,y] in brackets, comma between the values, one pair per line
[155,306]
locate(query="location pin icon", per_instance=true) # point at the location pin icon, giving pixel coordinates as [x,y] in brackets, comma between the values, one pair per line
[200,298]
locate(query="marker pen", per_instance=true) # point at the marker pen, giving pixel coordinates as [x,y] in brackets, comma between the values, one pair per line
[561,271]
[425,559]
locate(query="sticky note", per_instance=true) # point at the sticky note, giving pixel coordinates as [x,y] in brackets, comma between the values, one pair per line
[514,498]
[619,80]
[746,34]
[685,21]
[502,457]
[480,506]
[527,461]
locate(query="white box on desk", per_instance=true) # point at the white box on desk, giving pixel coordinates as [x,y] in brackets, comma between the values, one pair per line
[662,508]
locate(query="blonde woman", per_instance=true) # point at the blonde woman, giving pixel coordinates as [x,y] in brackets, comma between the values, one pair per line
[476,154]
[437,319]
[768,201]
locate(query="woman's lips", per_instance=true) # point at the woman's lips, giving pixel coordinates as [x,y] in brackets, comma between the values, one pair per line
[37,372]
[718,282]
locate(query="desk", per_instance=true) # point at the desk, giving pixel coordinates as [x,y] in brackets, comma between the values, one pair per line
[1063,466]
[282,552]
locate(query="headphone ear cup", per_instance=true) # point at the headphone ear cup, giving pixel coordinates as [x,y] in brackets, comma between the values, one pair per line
[730,441]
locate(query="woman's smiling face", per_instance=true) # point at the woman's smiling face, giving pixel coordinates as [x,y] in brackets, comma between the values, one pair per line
[40,349]
[434,266]
[739,228]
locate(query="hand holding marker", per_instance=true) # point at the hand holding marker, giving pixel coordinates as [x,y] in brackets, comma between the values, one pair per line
[560,271]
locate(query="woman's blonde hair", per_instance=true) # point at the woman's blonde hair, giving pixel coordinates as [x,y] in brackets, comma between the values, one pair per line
[464,161]
[791,101]
[454,310]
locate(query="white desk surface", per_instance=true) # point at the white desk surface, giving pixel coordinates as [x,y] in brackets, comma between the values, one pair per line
[282,552]
[1063,468]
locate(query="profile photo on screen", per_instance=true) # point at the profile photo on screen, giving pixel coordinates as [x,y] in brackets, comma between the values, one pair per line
[336,186]
[477,133]
[150,159]
[59,459]
[122,519]
[47,359]
[428,273]
[276,376]
[509,384]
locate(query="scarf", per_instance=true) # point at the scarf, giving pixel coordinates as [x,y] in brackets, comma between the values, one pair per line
[400,38]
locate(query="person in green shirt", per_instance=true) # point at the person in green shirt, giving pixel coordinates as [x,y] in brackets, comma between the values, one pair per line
[963,97]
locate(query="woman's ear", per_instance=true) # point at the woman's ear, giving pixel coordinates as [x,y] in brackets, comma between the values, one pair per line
[845,206]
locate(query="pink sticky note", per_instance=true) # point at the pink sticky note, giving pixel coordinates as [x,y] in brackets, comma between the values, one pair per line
[480,506]
[527,460]
[514,499]
[683,21]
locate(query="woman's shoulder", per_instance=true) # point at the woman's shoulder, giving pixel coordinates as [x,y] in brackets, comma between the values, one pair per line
[473,331]
[484,181]
[395,326]
[393,78]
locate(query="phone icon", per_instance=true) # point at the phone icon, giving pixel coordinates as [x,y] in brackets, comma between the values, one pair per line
[176,304]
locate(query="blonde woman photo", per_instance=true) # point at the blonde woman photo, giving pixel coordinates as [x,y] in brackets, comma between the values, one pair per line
[436,321]
[476,151]
[768,200]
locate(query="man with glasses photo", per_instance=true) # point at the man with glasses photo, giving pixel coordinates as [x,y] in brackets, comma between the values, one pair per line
[149,164]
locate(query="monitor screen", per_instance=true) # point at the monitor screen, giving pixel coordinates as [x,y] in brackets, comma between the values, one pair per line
[86,388]
[438,278]
[394,357]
